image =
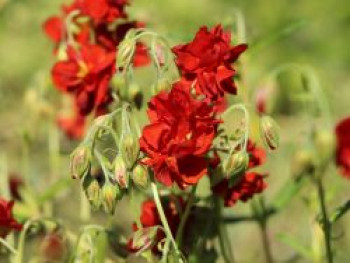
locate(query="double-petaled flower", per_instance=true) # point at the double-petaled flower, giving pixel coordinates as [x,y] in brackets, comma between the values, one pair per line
[179,137]
[206,62]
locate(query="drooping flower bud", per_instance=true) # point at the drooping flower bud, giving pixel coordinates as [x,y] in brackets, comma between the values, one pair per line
[236,165]
[125,52]
[140,176]
[110,195]
[269,130]
[80,162]
[303,162]
[325,145]
[163,84]
[120,172]
[135,95]
[93,192]
[129,149]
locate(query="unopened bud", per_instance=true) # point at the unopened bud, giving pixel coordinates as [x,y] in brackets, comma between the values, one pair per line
[129,149]
[325,145]
[121,173]
[93,193]
[110,195]
[162,84]
[236,165]
[135,95]
[270,132]
[80,162]
[125,52]
[303,162]
[140,176]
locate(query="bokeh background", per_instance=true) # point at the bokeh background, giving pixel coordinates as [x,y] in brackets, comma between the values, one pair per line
[312,32]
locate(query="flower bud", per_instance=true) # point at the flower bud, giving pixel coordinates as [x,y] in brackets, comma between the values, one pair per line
[236,165]
[140,176]
[80,162]
[162,84]
[303,162]
[93,193]
[325,145]
[110,195]
[135,95]
[129,149]
[269,130]
[121,173]
[125,52]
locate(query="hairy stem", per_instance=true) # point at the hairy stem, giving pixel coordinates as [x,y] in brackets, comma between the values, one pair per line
[326,224]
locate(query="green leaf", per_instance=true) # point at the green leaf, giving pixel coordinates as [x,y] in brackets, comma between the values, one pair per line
[296,245]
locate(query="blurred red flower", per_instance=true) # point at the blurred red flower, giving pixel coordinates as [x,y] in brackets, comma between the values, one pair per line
[180,134]
[343,146]
[206,62]
[104,11]
[7,222]
[250,184]
[86,74]
[15,184]
[150,217]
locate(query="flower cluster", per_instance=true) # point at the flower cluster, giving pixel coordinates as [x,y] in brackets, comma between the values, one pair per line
[86,37]
[7,221]
[183,123]
[248,184]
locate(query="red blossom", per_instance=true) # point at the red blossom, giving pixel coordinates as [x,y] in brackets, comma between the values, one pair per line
[207,61]
[73,127]
[343,146]
[7,222]
[180,134]
[104,11]
[15,184]
[86,74]
[250,184]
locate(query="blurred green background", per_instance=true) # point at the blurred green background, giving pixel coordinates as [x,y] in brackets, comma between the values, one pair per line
[313,32]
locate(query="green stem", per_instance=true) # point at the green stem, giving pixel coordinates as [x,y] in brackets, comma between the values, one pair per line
[326,224]
[22,239]
[163,217]
[224,241]
[185,215]
[8,246]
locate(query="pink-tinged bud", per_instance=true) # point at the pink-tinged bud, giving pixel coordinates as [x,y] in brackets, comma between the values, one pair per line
[269,130]
[110,195]
[80,162]
[325,145]
[140,176]
[54,248]
[120,172]
[129,149]
[144,238]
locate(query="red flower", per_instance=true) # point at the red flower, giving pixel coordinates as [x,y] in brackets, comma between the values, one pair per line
[180,134]
[207,61]
[104,11]
[86,74]
[343,146]
[73,127]
[149,218]
[250,184]
[15,184]
[7,222]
